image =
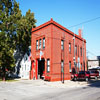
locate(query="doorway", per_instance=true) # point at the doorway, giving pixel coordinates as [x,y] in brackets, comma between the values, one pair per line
[41,68]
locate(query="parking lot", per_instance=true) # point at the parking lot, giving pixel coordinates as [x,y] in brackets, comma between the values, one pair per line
[26,89]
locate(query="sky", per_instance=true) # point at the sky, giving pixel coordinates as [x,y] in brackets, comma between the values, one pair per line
[69,13]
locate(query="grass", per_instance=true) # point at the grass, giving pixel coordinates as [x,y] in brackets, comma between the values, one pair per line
[9,80]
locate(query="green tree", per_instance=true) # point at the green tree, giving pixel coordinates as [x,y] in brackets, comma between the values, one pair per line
[9,14]
[15,33]
[25,25]
[23,40]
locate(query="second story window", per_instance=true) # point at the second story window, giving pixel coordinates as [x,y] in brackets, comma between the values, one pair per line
[36,44]
[69,47]
[40,44]
[43,43]
[76,50]
[62,44]
[81,51]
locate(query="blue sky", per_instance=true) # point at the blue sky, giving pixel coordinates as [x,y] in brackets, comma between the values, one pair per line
[68,13]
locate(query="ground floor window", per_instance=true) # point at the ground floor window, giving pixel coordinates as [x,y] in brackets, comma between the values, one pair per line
[62,65]
[70,66]
[48,65]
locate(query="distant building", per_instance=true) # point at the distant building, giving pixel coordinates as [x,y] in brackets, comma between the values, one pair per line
[23,64]
[25,67]
[93,62]
[56,52]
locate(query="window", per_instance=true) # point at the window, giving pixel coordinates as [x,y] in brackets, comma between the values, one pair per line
[22,67]
[62,65]
[25,58]
[81,66]
[62,44]
[70,66]
[25,67]
[40,44]
[81,72]
[76,50]
[69,47]
[48,65]
[43,43]
[81,51]
[36,44]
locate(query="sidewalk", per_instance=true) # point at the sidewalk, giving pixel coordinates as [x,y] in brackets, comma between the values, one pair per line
[67,83]
[57,84]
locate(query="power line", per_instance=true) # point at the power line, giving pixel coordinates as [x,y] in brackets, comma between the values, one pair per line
[90,52]
[73,26]
[66,40]
[84,22]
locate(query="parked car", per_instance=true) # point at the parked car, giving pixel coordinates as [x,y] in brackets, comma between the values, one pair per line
[81,75]
[94,74]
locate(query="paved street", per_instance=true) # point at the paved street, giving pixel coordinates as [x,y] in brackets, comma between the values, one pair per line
[40,90]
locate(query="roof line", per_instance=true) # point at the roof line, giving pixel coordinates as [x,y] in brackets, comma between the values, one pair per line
[58,25]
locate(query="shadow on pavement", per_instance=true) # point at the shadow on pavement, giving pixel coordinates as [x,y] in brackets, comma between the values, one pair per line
[94,83]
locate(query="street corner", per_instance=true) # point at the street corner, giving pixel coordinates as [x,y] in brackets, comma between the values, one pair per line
[66,84]
[71,84]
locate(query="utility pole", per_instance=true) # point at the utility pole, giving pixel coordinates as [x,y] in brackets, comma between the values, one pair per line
[63,58]
[83,52]
[87,59]
[74,54]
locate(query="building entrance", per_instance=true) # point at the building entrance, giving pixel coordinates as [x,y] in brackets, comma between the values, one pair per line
[41,68]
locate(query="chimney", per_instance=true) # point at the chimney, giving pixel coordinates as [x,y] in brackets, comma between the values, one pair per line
[80,32]
[51,19]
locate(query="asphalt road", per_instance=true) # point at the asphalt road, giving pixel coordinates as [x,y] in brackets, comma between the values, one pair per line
[35,90]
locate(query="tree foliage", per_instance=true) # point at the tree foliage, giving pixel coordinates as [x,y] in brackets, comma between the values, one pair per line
[15,31]
[25,25]
[9,10]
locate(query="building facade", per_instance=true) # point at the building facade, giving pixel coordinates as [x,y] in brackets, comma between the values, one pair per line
[23,64]
[56,52]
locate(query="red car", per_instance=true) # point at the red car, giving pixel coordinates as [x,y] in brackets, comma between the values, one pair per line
[94,74]
[83,75]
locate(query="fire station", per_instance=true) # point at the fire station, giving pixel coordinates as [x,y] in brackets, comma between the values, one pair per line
[56,52]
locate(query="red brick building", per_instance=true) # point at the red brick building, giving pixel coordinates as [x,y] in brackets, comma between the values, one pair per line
[54,49]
